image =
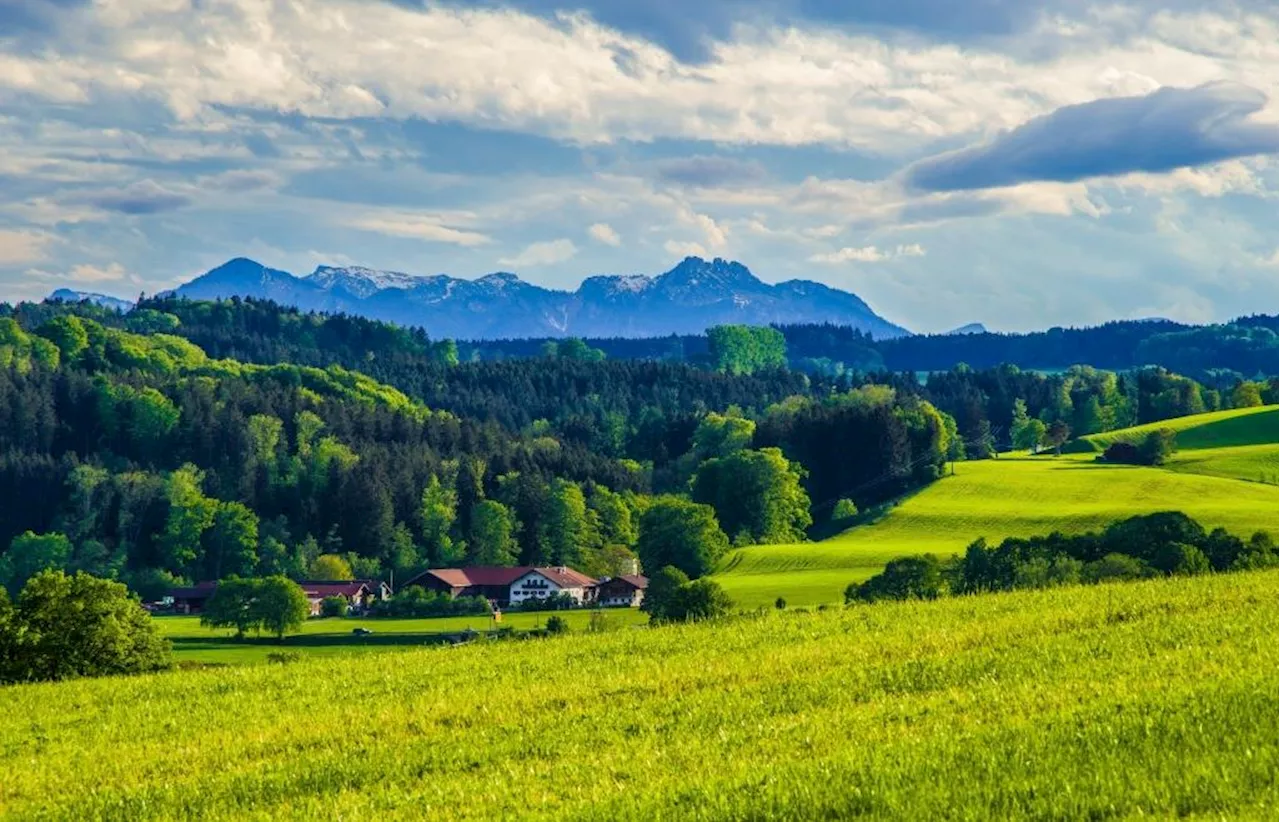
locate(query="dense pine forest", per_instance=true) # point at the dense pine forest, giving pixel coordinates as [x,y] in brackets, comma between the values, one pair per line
[197,440]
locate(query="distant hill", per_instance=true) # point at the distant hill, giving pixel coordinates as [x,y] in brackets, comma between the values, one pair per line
[971,328]
[69,296]
[689,298]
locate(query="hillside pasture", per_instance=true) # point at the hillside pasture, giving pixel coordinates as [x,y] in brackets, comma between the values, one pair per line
[1006,497]
[1023,705]
[193,642]
[1218,429]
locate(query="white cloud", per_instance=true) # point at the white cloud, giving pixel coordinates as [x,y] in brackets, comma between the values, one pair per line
[789,86]
[85,273]
[604,233]
[18,247]
[684,249]
[867,254]
[542,253]
[427,227]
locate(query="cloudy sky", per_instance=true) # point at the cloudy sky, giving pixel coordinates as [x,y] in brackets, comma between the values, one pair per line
[1021,163]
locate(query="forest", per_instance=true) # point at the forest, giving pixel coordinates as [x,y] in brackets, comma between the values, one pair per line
[198,440]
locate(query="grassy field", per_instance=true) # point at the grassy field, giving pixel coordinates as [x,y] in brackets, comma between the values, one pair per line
[1219,429]
[1020,496]
[1153,699]
[192,642]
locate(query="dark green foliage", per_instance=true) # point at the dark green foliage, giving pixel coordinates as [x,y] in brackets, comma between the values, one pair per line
[1158,446]
[1116,568]
[71,626]
[683,534]
[780,603]
[29,554]
[756,493]
[415,601]
[673,597]
[559,601]
[273,604]
[333,607]
[557,625]
[906,578]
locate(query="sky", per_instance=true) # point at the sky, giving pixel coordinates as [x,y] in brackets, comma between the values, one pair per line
[1019,163]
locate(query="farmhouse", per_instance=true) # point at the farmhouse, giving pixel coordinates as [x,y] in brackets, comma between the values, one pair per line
[359,594]
[509,586]
[540,583]
[626,591]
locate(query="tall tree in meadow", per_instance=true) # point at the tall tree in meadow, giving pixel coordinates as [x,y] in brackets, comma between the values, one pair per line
[756,495]
[682,534]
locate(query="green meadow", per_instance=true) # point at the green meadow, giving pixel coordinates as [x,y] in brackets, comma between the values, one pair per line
[193,642]
[1215,480]
[1217,429]
[1124,701]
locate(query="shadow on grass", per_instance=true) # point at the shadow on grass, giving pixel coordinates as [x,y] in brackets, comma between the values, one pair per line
[301,641]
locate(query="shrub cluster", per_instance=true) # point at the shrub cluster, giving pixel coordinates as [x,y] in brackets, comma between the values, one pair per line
[1160,544]
[416,601]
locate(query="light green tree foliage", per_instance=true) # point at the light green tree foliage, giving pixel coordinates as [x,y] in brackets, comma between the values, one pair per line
[756,494]
[844,509]
[190,514]
[281,605]
[745,349]
[68,333]
[330,567]
[231,542]
[1246,395]
[564,530]
[492,537]
[30,553]
[72,626]
[719,435]
[264,439]
[437,513]
[613,518]
[1027,433]
[573,348]
[444,352]
[682,534]
[150,321]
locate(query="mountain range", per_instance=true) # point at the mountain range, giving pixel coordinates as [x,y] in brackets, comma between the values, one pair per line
[688,299]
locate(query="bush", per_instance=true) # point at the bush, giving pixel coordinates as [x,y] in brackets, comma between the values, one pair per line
[333,607]
[72,626]
[416,601]
[1182,559]
[844,509]
[1115,568]
[284,657]
[672,597]
[904,578]
[780,604]
[598,623]
[554,602]
[557,624]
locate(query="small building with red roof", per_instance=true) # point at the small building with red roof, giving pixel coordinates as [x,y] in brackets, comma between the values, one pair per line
[626,591]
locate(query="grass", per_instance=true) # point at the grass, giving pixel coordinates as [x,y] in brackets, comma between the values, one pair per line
[1218,429]
[1021,496]
[1153,699]
[193,642]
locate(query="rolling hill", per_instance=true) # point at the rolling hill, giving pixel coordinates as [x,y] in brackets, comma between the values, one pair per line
[1020,496]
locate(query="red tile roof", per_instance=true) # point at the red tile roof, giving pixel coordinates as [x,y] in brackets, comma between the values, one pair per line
[565,577]
[636,580]
[498,576]
[335,589]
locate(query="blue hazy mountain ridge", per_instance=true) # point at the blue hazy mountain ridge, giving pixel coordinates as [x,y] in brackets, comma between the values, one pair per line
[104,300]
[688,299]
